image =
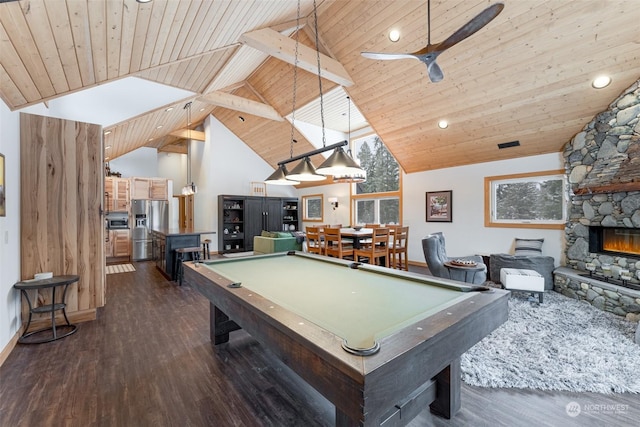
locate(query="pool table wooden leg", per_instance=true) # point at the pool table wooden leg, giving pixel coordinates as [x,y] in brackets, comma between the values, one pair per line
[447,401]
[220,325]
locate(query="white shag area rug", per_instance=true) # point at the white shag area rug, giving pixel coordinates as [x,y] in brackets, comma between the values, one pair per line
[120,268]
[563,344]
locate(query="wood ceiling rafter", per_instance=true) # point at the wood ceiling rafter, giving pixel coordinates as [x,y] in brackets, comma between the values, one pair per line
[284,48]
[241,104]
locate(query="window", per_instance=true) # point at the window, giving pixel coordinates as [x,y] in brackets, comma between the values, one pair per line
[532,200]
[383,172]
[377,200]
[312,208]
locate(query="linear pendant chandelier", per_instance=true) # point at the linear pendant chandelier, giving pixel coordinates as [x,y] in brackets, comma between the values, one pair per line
[339,164]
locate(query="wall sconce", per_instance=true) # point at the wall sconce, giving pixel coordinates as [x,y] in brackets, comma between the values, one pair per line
[334,202]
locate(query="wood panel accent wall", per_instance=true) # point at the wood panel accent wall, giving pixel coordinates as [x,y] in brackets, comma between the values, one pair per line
[62,228]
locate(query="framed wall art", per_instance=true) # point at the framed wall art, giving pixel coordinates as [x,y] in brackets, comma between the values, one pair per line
[439,207]
[312,208]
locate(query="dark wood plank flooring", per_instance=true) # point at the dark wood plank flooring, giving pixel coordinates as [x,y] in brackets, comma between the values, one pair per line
[147,361]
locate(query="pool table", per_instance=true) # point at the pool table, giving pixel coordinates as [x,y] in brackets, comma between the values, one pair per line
[380,344]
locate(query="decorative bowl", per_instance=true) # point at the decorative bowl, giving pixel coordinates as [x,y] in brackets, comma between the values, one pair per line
[357,227]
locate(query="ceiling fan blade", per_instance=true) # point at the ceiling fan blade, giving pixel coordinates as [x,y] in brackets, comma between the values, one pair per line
[471,27]
[388,56]
[435,72]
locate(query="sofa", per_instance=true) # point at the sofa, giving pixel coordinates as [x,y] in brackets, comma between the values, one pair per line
[275,241]
[539,263]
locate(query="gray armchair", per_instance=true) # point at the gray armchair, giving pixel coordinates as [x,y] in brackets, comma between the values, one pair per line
[435,254]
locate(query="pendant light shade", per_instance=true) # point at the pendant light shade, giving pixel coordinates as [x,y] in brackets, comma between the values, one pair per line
[279,177]
[305,172]
[339,164]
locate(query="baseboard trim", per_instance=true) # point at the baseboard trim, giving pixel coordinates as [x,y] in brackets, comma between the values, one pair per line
[6,351]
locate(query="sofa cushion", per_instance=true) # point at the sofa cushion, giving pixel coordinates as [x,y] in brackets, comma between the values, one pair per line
[528,246]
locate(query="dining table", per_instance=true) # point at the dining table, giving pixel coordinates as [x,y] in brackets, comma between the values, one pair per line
[356,235]
[359,235]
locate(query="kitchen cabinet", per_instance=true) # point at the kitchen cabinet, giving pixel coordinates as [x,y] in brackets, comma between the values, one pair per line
[149,189]
[118,243]
[116,194]
[140,188]
[158,189]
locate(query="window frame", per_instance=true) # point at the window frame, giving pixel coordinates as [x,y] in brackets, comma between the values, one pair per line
[490,185]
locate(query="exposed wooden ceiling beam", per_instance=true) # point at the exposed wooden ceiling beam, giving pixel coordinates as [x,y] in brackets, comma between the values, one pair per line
[189,134]
[238,103]
[283,48]
[179,148]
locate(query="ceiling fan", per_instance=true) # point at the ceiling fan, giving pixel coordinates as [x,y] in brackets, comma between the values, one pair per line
[430,52]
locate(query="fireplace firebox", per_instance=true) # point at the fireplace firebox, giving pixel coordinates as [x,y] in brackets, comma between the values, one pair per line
[615,240]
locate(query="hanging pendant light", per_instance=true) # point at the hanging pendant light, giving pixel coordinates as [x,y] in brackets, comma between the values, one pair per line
[191,187]
[340,164]
[305,171]
[279,177]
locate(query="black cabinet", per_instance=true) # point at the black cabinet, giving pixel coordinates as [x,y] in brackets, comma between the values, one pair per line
[290,215]
[231,224]
[240,218]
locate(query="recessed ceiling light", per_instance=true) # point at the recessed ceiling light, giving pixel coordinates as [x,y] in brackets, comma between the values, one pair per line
[107,147]
[443,124]
[601,81]
[107,132]
[106,158]
[202,109]
[241,118]
[150,139]
[394,35]
[159,126]
[169,109]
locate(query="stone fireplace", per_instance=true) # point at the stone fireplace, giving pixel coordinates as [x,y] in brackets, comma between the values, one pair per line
[603,230]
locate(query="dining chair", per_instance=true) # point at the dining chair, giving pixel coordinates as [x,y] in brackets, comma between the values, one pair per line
[334,246]
[372,226]
[398,248]
[315,244]
[377,249]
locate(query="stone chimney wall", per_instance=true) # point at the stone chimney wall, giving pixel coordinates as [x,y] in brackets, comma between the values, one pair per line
[603,168]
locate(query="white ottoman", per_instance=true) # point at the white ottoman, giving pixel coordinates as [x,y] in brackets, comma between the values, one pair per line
[516,279]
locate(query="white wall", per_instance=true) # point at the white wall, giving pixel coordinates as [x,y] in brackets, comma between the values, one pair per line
[340,215]
[173,166]
[141,162]
[466,234]
[10,227]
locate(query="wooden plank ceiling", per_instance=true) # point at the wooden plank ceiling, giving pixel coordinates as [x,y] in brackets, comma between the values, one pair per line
[525,76]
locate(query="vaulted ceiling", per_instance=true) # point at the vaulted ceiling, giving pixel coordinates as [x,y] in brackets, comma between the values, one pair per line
[526,76]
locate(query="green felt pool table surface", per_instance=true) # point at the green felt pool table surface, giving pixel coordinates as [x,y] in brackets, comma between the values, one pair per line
[358,304]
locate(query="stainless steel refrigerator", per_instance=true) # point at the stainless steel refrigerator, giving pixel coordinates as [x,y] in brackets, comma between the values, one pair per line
[147,215]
